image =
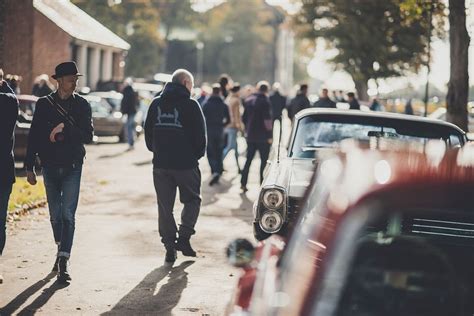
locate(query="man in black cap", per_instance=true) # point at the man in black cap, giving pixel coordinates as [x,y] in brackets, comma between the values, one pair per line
[61,125]
[9,110]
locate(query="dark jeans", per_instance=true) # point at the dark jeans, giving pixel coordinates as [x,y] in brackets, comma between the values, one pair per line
[215,146]
[62,191]
[5,191]
[264,151]
[166,182]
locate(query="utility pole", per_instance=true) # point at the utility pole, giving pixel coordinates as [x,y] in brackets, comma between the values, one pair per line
[430,14]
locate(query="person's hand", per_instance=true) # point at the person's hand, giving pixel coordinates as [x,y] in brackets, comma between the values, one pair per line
[31,177]
[270,140]
[57,129]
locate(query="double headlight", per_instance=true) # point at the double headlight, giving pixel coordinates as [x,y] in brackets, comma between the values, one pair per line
[273,210]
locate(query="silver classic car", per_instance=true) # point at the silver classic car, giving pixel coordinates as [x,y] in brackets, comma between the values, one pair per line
[315,134]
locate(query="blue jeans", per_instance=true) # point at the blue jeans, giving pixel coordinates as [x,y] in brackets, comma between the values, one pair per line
[4,197]
[131,129]
[231,144]
[62,191]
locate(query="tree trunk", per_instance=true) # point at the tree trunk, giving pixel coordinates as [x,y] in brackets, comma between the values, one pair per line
[361,88]
[458,87]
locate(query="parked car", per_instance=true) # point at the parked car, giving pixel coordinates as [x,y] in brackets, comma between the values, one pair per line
[27,105]
[380,233]
[440,114]
[317,131]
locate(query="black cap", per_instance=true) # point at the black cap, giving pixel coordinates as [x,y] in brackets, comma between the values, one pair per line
[67,68]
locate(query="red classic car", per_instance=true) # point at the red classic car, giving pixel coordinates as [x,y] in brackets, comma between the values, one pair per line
[379,233]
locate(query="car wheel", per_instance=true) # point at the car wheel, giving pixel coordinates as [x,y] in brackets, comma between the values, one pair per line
[258,233]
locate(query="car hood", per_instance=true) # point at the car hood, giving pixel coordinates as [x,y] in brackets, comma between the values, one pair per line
[301,173]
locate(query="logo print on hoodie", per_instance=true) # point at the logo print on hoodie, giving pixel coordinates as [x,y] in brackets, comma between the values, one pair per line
[168,119]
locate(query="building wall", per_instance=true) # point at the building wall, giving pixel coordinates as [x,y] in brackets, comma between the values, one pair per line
[18,41]
[51,46]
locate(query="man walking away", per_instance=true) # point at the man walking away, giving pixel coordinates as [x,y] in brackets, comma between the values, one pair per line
[299,102]
[61,125]
[129,107]
[278,102]
[9,111]
[175,132]
[258,127]
[234,104]
[353,103]
[216,114]
[324,100]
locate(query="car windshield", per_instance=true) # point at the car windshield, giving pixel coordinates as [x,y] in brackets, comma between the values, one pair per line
[318,131]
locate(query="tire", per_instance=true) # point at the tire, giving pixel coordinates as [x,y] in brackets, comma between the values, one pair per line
[258,233]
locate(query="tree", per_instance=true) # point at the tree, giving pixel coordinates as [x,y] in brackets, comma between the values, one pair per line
[458,86]
[374,39]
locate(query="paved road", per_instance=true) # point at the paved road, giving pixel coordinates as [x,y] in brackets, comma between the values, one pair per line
[117,262]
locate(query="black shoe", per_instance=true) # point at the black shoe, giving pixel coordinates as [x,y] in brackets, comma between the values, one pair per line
[56,265]
[63,275]
[170,255]
[243,188]
[184,246]
[215,179]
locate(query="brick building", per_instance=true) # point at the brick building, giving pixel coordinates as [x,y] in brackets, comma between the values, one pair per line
[39,34]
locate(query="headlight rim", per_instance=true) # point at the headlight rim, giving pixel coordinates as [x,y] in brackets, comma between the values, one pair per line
[280,225]
[282,198]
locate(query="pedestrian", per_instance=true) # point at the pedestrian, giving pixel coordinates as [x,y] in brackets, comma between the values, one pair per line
[278,102]
[409,108]
[175,132]
[224,81]
[235,125]
[9,110]
[216,114]
[376,106]
[129,106]
[61,125]
[42,87]
[258,127]
[299,102]
[324,101]
[353,103]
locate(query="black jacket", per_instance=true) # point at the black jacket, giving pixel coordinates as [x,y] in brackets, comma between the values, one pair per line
[216,114]
[46,118]
[325,103]
[8,117]
[175,130]
[278,102]
[257,118]
[298,103]
[129,101]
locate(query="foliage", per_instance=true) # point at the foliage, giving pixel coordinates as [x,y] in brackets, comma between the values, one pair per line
[25,194]
[374,39]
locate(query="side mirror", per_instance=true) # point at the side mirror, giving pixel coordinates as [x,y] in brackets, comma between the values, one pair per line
[240,253]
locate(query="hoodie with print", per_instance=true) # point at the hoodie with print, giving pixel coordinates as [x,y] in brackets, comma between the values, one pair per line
[175,130]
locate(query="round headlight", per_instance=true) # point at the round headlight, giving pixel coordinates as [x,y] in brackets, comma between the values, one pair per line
[271,222]
[273,198]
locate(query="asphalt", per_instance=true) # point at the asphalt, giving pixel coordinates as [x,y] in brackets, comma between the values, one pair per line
[117,262]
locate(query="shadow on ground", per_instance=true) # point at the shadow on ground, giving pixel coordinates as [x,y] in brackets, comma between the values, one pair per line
[39,302]
[143,300]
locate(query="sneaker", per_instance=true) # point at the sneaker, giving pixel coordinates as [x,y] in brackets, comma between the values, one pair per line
[243,188]
[56,265]
[215,179]
[63,274]
[184,246]
[170,255]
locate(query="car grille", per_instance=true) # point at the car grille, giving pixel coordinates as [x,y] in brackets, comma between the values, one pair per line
[293,209]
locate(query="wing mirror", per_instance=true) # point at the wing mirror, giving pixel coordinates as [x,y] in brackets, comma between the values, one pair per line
[240,253]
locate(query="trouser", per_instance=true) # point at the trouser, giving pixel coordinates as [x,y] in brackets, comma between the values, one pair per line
[62,191]
[214,152]
[264,151]
[131,129]
[5,191]
[166,182]
[231,133]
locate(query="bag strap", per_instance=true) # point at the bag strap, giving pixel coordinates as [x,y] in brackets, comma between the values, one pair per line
[61,110]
